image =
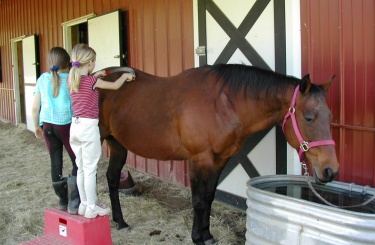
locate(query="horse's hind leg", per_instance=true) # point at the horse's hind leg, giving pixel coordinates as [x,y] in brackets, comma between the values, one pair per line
[117,160]
[203,187]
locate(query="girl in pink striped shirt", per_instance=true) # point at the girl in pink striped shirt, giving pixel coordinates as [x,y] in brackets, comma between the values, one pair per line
[84,131]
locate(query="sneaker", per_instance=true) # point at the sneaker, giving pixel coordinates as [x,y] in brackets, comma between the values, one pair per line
[97,210]
[82,209]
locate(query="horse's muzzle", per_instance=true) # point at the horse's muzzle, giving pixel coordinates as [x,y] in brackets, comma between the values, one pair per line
[327,175]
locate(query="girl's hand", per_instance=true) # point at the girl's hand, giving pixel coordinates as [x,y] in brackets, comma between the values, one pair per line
[125,77]
[39,133]
[128,77]
[100,73]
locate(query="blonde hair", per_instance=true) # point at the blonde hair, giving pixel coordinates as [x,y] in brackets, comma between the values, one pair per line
[58,58]
[81,55]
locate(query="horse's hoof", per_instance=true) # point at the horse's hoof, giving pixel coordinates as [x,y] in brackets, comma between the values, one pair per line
[198,243]
[125,229]
[124,226]
[211,241]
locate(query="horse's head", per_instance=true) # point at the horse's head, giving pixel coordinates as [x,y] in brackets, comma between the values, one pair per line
[307,129]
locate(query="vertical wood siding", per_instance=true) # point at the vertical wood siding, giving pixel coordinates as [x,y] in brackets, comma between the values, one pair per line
[160,42]
[338,37]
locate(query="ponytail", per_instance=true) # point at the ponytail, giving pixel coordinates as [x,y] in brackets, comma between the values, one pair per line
[74,79]
[59,59]
[55,83]
[81,55]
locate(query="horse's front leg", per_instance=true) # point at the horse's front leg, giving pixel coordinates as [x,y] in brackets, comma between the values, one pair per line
[203,187]
[198,190]
[117,160]
[212,182]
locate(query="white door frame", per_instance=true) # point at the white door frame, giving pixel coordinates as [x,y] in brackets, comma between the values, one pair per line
[67,30]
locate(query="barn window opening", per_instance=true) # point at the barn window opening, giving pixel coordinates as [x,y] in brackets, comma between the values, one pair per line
[75,31]
[79,34]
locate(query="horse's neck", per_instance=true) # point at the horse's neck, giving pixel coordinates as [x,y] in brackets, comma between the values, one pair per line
[262,113]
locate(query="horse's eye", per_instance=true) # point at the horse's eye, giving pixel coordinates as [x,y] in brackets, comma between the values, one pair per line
[309,119]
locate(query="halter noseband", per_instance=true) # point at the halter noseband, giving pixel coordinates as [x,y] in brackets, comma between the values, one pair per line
[304,145]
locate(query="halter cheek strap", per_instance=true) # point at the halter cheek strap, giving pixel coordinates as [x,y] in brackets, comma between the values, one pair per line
[304,145]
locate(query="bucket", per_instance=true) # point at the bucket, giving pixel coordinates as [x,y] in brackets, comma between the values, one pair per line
[283,210]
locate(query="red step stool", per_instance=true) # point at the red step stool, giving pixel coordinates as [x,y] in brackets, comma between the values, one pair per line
[46,240]
[60,227]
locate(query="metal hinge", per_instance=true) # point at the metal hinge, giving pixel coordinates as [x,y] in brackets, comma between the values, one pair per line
[200,51]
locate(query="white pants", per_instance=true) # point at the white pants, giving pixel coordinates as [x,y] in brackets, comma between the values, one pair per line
[85,143]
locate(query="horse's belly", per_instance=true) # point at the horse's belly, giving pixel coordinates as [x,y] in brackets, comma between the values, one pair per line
[151,143]
[157,152]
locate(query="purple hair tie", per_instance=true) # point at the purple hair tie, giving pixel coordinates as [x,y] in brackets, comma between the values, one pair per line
[54,68]
[76,63]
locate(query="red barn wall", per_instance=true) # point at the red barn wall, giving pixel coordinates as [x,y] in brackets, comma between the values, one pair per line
[338,37]
[160,39]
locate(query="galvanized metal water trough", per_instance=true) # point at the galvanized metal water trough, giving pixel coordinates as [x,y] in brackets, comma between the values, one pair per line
[282,210]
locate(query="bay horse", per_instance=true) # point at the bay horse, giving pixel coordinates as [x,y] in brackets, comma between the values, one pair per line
[204,115]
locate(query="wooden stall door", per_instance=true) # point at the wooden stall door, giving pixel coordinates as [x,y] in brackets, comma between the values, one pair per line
[31,73]
[105,38]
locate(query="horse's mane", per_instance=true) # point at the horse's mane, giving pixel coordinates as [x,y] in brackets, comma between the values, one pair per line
[250,79]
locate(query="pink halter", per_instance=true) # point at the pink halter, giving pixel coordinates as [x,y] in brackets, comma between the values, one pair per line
[304,145]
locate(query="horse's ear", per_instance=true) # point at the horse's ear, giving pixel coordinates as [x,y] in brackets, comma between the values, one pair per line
[328,83]
[305,85]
